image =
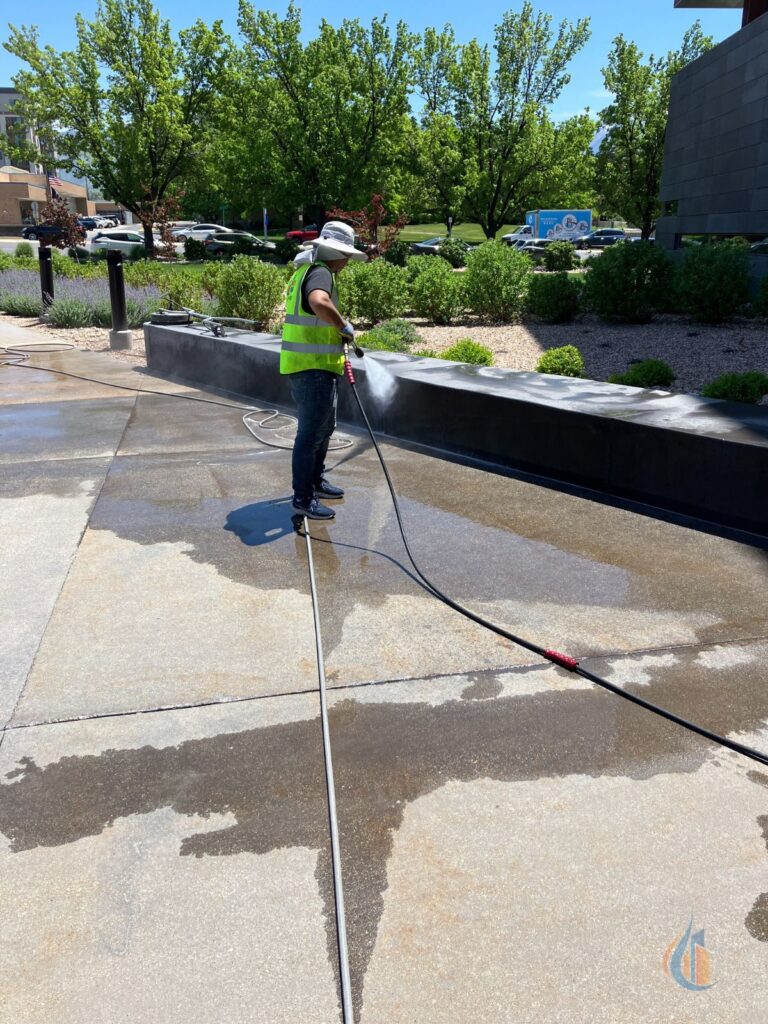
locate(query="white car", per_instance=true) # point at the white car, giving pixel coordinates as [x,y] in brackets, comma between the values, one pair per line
[125,240]
[199,231]
[105,222]
[523,234]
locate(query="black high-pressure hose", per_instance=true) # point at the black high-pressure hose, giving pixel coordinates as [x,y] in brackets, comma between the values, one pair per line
[563,660]
[18,355]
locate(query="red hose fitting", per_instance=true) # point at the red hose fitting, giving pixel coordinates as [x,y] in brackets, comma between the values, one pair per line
[562,659]
[348,373]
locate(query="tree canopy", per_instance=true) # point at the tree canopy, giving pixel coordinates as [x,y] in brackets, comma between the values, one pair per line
[125,107]
[631,155]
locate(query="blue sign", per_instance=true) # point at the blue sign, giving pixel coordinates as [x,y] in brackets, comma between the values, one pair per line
[559,224]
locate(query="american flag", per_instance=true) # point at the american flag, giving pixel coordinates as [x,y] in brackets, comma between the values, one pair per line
[54,180]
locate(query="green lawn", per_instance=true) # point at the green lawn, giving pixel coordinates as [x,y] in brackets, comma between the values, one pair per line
[420,232]
[468,232]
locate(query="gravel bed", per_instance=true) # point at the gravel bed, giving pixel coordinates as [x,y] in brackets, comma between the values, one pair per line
[696,352]
[95,339]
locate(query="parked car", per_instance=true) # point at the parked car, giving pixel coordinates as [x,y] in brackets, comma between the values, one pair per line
[431,246]
[304,234]
[90,223]
[105,222]
[517,238]
[47,232]
[535,246]
[760,248]
[224,241]
[123,240]
[600,238]
[198,231]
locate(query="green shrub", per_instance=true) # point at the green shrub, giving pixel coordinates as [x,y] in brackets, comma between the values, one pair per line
[556,298]
[397,253]
[650,373]
[182,289]
[250,289]
[373,291]
[714,281]
[209,279]
[70,313]
[627,281]
[561,256]
[496,281]
[417,265]
[565,361]
[6,261]
[145,272]
[738,387]
[194,249]
[137,252]
[454,252]
[392,336]
[438,293]
[467,351]
[286,250]
[426,353]
[24,249]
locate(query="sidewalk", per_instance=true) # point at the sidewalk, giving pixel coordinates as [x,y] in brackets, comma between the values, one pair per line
[518,846]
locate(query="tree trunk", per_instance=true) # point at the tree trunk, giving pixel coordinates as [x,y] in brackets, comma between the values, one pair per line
[149,239]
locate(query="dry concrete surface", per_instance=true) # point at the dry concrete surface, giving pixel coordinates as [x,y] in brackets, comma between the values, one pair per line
[519,846]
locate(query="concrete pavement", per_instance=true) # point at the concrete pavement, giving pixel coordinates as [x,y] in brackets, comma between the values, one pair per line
[518,845]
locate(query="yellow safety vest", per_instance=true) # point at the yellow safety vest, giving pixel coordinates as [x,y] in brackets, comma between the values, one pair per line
[308,342]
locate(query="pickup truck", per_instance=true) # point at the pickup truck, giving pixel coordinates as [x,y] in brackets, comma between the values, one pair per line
[304,234]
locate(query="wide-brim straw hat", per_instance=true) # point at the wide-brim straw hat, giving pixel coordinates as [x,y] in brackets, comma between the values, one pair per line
[336,242]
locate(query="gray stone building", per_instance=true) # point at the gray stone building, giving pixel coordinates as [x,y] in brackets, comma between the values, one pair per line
[8,119]
[715,178]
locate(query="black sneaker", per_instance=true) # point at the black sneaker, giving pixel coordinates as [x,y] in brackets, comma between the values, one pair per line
[326,490]
[312,509]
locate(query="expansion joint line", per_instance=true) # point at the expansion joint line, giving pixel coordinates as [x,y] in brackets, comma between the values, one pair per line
[338,888]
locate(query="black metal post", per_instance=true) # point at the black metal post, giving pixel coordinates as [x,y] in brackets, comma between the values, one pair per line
[119,336]
[46,274]
[117,290]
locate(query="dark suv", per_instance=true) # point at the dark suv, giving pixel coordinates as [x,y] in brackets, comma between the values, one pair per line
[600,238]
[47,232]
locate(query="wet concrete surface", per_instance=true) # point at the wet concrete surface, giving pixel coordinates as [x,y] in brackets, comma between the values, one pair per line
[497,816]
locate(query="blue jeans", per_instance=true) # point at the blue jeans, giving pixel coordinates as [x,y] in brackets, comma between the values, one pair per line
[314,392]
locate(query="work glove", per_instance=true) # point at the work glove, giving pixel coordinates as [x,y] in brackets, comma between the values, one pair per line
[348,333]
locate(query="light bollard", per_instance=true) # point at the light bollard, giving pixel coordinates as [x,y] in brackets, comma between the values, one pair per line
[45,261]
[119,336]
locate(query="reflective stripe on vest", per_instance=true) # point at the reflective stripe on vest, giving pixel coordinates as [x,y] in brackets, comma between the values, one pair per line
[308,342]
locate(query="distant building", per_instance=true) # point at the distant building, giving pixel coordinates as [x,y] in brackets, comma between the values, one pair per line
[7,122]
[23,186]
[715,178]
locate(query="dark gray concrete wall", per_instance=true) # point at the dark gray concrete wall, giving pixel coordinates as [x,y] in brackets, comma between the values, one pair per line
[697,456]
[716,154]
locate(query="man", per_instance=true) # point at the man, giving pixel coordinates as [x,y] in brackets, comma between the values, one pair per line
[312,353]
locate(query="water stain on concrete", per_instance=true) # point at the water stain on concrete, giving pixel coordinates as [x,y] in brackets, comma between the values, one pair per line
[386,756]
[483,686]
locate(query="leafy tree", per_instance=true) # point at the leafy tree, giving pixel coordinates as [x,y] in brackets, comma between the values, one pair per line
[125,106]
[509,146]
[319,123]
[631,154]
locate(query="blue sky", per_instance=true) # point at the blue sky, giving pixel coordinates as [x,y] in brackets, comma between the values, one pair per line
[654,25]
